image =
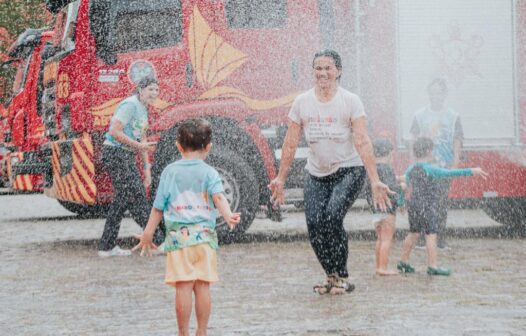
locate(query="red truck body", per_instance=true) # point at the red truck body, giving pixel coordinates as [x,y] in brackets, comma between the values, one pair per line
[241,63]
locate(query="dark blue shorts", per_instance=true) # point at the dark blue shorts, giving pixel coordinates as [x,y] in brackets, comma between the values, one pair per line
[422,218]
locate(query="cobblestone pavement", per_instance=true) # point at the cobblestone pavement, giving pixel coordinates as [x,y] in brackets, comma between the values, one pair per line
[52,282]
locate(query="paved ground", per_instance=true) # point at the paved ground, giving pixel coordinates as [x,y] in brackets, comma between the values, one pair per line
[52,282]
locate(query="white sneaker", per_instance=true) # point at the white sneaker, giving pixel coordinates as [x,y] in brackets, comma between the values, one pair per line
[115,252]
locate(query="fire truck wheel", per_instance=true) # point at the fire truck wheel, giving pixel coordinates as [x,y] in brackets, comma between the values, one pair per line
[509,211]
[85,210]
[241,190]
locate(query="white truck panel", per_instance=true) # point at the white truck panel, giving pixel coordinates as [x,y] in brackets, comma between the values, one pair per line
[470,43]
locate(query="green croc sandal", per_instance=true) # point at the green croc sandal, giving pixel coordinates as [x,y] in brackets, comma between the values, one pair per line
[405,267]
[439,271]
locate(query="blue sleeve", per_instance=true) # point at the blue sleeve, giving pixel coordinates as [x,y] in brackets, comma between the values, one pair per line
[162,198]
[214,183]
[124,113]
[438,172]
[401,199]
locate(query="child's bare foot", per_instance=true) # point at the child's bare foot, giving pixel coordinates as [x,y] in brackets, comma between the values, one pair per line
[386,272]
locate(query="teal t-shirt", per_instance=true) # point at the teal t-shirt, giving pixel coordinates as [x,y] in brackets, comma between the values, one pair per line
[185,197]
[134,117]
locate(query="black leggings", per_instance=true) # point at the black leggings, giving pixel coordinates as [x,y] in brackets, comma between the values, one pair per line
[327,200]
[128,194]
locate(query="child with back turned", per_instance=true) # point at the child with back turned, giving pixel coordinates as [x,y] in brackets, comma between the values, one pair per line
[384,221]
[422,179]
[187,192]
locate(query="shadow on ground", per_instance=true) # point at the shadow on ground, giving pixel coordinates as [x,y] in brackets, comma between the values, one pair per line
[494,232]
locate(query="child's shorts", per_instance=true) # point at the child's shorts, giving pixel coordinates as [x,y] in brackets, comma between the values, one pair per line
[197,262]
[422,220]
[378,217]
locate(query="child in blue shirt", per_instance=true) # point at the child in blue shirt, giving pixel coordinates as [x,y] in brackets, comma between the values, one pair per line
[423,179]
[187,197]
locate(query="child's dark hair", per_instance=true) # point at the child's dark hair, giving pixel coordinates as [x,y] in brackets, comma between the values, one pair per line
[194,134]
[422,147]
[382,147]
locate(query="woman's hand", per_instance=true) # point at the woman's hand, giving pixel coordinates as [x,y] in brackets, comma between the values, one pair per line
[381,194]
[145,244]
[276,187]
[233,220]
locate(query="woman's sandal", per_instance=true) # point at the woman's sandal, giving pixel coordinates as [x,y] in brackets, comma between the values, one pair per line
[323,287]
[340,286]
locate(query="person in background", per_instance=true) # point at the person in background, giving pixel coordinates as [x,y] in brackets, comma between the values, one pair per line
[189,193]
[442,124]
[384,221]
[340,153]
[423,180]
[124,140]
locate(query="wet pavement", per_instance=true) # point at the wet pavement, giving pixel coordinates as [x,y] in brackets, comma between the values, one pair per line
[52,282]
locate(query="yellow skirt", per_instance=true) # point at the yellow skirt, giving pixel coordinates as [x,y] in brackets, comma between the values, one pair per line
[197,262]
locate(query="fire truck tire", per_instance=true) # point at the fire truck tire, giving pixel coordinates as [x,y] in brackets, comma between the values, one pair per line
[241,190]
[510,211]
[85,210]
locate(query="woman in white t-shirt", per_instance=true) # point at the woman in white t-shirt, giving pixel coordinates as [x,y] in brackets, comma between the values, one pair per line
[335,127]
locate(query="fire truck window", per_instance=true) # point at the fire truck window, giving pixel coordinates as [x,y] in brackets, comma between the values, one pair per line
[256,14]
[68,39]
[148,30]
[21,74]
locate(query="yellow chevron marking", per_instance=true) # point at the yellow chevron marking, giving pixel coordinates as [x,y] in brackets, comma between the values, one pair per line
[75,185]
[87,141]
[80,155]
[81,189]
[58,186]
[56,162]
[27,180]
[18,183]
[72,188]
[88,179]
[63,191]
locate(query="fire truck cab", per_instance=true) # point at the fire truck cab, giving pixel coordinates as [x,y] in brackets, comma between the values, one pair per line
[23,129]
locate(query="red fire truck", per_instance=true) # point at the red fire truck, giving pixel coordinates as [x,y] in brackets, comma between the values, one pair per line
[240,63]
[22,126]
